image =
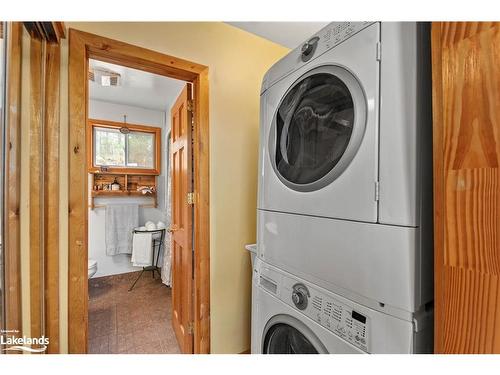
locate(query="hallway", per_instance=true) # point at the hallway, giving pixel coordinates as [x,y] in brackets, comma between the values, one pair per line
[136,322]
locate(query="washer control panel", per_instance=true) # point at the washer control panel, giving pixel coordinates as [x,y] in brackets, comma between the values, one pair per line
[339,318]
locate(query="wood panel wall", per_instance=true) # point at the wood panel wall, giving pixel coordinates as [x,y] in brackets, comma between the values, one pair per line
[36,188]
[51,195]
[44,186]
[466,101]
[78,200]
[13,179]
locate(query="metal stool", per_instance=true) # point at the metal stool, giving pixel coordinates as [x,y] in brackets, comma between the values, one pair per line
[157,244]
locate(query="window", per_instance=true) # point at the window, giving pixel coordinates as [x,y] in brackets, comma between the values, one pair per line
[109,147]
[120,147]
[113,148]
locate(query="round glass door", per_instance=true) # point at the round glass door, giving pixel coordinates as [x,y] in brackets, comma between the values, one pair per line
[318,128]
[285,339]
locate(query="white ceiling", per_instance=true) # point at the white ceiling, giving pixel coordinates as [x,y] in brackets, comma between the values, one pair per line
[288,34]
[138,88]
[153,91]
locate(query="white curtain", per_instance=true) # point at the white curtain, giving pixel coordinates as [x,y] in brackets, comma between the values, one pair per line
[166,269]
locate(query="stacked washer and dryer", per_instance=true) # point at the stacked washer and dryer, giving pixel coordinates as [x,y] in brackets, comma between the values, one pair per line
[344,233]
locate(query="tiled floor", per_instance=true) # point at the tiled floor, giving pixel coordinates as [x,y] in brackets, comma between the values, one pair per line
[130,322]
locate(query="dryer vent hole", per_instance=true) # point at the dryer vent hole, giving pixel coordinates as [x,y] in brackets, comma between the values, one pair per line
[381,304]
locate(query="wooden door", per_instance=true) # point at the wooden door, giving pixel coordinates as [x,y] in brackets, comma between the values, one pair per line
[466,101]
[182,219]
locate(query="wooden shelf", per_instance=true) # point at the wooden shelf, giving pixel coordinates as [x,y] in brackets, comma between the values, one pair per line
[120,193]
[129,181]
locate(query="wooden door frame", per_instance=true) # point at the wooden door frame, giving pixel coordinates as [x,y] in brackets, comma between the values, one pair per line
[82,47]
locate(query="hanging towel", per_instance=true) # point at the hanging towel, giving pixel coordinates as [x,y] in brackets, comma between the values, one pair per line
[166,269]
[121,219]
[142,250]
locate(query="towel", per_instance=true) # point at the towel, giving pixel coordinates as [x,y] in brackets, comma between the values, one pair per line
[166,269]
[142,250]
[121,219]
[150,225]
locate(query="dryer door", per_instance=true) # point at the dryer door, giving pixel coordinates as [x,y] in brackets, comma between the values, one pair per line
[318,128]
[287,335]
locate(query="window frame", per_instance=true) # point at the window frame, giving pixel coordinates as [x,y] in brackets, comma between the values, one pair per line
[96,123]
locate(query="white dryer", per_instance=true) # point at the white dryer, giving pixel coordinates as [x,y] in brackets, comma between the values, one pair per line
[345,166]
[319,127]
[292,316]
[346,125]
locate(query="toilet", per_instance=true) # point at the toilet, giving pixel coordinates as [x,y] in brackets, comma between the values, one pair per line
[92,267]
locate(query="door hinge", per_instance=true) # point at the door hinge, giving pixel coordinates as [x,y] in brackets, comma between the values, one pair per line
[190,328]
[190,198]
[379,51]
[377,191]
[190,105]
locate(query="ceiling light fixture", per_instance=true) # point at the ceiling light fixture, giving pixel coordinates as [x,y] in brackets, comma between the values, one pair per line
[104,77]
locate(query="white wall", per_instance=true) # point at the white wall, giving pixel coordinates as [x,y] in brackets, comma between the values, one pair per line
[112,265]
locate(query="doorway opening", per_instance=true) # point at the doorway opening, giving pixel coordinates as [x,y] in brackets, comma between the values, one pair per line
[130,214]
[138,200]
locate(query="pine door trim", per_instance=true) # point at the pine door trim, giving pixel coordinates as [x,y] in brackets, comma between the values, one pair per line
[82,47]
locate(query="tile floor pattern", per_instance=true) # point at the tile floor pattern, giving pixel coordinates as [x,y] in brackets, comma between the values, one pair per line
[136,322]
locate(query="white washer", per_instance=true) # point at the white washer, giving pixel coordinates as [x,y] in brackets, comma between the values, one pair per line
[292,316]
[345,169]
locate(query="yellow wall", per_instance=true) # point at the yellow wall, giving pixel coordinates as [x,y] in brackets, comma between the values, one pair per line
[237,62]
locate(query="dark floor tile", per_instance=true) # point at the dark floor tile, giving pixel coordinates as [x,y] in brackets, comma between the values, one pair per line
[125,342]
[170,345]
[113,344]
[99,345]
[153,347]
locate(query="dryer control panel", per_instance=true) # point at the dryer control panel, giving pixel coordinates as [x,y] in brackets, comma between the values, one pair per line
[327,38]
[338,317]
[337,32]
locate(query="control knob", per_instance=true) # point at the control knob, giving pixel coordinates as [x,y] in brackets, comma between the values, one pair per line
[300,296]
[308,48]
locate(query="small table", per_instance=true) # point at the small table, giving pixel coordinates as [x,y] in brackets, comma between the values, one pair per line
[157,244]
